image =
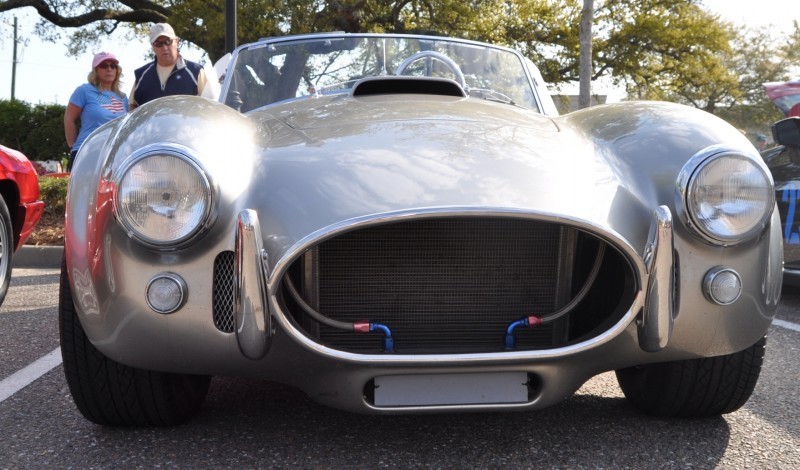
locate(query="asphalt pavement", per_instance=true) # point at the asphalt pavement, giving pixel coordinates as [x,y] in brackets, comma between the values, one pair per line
[253,423]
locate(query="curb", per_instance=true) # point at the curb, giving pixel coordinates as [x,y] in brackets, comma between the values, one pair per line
[31,256]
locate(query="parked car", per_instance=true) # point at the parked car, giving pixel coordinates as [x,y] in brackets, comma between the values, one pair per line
[404,224]
[785,95]
[20,209]
[783,161]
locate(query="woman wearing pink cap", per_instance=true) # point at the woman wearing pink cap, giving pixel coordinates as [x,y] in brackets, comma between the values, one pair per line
[94,103]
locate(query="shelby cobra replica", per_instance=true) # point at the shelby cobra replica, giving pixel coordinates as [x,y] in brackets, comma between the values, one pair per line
[399,224]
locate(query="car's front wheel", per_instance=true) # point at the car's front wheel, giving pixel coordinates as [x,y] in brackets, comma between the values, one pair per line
[113,394]
[694,388]
[6,249]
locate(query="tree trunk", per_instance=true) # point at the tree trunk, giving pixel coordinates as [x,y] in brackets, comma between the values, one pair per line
[585,63]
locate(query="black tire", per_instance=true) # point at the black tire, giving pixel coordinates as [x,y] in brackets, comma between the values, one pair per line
[6,249]
[694,388]
[112,394]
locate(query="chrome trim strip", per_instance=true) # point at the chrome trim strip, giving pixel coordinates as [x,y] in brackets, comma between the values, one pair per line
[658,315]
[253,324]
[309,241]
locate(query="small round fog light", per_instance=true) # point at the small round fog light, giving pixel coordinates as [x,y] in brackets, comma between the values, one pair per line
[166,293]
[723,286]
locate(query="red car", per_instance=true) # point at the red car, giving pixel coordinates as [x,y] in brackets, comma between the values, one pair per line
[20,208]
[785,95]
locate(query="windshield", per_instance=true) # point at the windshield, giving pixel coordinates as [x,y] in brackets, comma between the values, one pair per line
[269,72]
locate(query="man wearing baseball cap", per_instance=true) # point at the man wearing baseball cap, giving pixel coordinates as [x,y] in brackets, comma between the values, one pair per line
[169,74]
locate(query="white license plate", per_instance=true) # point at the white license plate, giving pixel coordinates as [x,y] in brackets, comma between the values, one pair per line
[451,389]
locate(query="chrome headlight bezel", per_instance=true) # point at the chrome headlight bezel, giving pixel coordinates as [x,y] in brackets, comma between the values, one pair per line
[687,190]
[207,214]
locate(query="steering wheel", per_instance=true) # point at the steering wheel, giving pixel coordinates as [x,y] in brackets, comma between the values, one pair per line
[436,56]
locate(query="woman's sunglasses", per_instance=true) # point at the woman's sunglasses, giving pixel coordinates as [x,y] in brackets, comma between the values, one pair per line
[107,65]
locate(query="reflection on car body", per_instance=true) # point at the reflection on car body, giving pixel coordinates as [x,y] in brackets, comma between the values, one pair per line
[404,224]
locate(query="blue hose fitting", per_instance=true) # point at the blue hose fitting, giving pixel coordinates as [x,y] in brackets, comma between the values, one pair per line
[388,341]
[511,340]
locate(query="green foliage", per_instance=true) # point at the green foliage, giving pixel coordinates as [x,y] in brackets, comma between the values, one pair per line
[37,131]
[203,23]
[791,48]
[53,192]
[15,121]
[46,141]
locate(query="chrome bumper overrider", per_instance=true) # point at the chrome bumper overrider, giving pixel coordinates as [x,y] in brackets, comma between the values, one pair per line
[252,320]
[658,315]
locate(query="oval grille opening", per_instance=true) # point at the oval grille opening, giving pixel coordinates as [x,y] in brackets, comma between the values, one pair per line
[455,284]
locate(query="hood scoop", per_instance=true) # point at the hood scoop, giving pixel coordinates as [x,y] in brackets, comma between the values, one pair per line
[395,85]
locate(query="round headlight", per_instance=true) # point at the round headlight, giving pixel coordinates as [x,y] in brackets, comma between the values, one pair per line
[162,197]
[729,198]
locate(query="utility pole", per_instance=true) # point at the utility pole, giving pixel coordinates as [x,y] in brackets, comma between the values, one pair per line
[230,25]
[14,62]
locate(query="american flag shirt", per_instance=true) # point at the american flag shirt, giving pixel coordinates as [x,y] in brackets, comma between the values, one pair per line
[97,108]
[111,102]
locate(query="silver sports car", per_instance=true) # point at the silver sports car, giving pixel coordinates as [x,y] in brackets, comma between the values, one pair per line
[404,224]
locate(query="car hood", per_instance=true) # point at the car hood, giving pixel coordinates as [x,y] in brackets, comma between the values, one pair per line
[308,168]
[356,158]
[327,112]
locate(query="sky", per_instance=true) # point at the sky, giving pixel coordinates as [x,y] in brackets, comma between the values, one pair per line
[46,74]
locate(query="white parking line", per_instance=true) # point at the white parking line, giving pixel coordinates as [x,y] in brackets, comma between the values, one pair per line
[786,324]
[24,377]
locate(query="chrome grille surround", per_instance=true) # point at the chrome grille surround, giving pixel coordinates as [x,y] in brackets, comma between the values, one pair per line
[452,285]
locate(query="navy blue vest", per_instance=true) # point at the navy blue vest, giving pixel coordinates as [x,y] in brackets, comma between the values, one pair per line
[180,82]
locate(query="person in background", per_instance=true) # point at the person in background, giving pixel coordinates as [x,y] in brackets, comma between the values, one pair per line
[94,103]
[169,74]
[762,142]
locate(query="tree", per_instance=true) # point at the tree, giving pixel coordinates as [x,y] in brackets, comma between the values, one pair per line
[655,49]
[654,45]
[628,29]
[202,22]
[791,49]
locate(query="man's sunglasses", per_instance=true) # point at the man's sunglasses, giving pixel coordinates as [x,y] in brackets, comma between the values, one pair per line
[162,43]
